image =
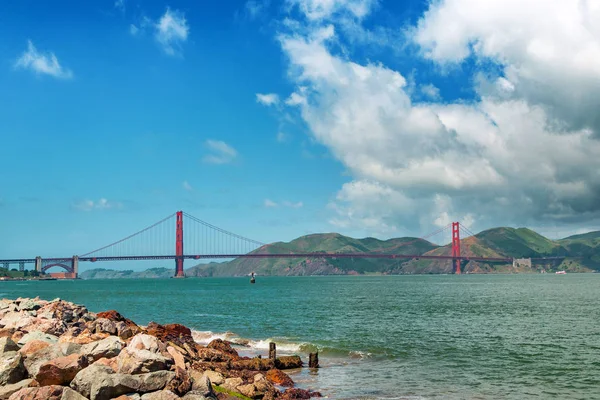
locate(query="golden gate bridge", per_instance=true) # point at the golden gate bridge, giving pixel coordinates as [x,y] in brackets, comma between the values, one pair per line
[211,242]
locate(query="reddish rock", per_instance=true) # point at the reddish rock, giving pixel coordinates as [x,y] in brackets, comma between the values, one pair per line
[177,357]
[279,377]
[294,393]
[181,383]
[223,346]
[39,393]
[109,362]
[85,337]
[61,370]
[288,362]
[176,333]
[6,332]
[17,336]
[126,328]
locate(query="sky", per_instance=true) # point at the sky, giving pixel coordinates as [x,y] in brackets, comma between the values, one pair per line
[275,119]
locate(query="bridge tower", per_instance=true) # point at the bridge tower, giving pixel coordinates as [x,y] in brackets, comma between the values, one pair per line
[179,246]
[456,247]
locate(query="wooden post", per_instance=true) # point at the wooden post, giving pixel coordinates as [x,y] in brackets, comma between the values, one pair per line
[313,360]
[272,351]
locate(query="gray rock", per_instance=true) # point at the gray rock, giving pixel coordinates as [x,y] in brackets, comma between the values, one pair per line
[135,361]
[143,341]
[193,395]
[16,320]
[6,345]
[11,368]
[34,361]
[70,394]
[154,380]
[4,304]
[232,384]
[202,385]
[108,348]
[215,377]
[29,304]
[160,395]
[7,390]
[68,348]
[37,335]
[104,325]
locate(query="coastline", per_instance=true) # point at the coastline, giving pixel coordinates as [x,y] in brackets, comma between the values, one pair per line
[60,350]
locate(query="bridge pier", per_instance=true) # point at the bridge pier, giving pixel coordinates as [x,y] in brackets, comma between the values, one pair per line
[6,266]
[456,247]
[75,266]
[21,266]
[38,264]
[179,246]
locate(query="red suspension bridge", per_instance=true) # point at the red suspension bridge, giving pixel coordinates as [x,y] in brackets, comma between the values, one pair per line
[206,241]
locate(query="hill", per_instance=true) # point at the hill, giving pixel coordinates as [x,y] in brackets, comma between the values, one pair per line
[101,273]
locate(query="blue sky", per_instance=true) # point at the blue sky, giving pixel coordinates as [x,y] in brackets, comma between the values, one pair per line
[274,119]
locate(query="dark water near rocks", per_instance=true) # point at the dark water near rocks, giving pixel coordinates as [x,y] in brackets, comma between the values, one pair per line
[400,337]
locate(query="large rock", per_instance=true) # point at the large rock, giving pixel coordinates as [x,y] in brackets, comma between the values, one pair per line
[104,325]
[295,393]
[7,390]
[29,304]
[34,361]
[257,389]
[175,333]
[288,362]
[38,336]
[125,328]
[143,341]
[6,345]
[279,377]
[160,395]
[231,384]
[202,384]
[223,346]
[107,348]
[181,383]
[99,382]
[62,370]
[136,361]
[32,347]
[12,369]
[256,364]
[39,393]
[177,357]
[215,377]
[70,394]
[76,335]
[16,320]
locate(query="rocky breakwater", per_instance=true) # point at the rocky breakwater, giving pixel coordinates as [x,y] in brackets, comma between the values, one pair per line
[51,350]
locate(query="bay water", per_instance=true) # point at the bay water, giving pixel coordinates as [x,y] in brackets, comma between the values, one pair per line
[383,337]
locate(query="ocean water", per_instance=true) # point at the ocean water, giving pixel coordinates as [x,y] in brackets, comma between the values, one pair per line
[384,337]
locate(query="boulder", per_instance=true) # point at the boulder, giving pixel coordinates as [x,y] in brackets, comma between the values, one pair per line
[154,380]
[76,335]
[109,362]
[278,377]
[7,390]
[12,369]
[223,346]
[29,304]
[39,393]
[34,361]
[143,341]
[16,320]
[38,336]
[175,333]
[108,348]
[103,325]
[70,394]
[215,377]
[211,355]
[69,348]
[256,364]
[130,396]
[231,384]
[249,390]
[6,345]
[177,357]
[33,346]
[295,393]
[196,396]
[61,371]
[125,328]
[288,362]
[160,395]
[202,384]
[136,361]
[5,332]
[181,383]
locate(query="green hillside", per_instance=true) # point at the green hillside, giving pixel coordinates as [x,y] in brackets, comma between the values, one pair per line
[587,246]
[101,273]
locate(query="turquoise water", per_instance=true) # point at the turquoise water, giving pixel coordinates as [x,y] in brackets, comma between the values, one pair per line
[430,337]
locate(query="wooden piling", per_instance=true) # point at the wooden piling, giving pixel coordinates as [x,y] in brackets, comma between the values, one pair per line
[272,351]
[313,360]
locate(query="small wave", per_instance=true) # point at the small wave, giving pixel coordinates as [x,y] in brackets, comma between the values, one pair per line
[360,354]
[205,337]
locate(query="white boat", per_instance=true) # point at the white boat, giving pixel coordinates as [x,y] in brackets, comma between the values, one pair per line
[561,273]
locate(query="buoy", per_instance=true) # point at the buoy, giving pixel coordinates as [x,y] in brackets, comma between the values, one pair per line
[252,280]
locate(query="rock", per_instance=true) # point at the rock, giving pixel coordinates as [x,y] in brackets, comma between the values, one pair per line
[279,377]
[130,396]
[16,320]
[196,396]
[12,369]
[256,364]
[29,304]
[177,357]
[108,348]
[5,332]
[62,370]
[39,393]
[34,361]
[288,362]
[7,390]
[143,341]
[175,333]
[215,377]
[223,346]
[126,328]
[103,325]
[232,383]
[83,337]
[136,361]
[211,355]
[99,382]
[33,346]
[160,395]
[294,393]
[6,345]
[249,390]
[70,394]
[39,336]
[202,384]
[69,348]
[181,383]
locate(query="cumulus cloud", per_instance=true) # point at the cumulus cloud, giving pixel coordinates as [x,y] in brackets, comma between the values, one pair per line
[172,31]
[220,152]
[430,91]
[267,99]
[507,157]
[101,204]
[270,203]
[42,64]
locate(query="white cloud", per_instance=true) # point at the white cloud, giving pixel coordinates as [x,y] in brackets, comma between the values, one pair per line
[220,152]
[267,99]
[186,186]
[120,5]
[270,203]
[42,63]
[323,9]
[292,204]
[101,204]
[503,158]
[430,91]
[282,137]
[295,99]
[172,30]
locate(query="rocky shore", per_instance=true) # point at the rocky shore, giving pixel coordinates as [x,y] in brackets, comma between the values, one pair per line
[57,350]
